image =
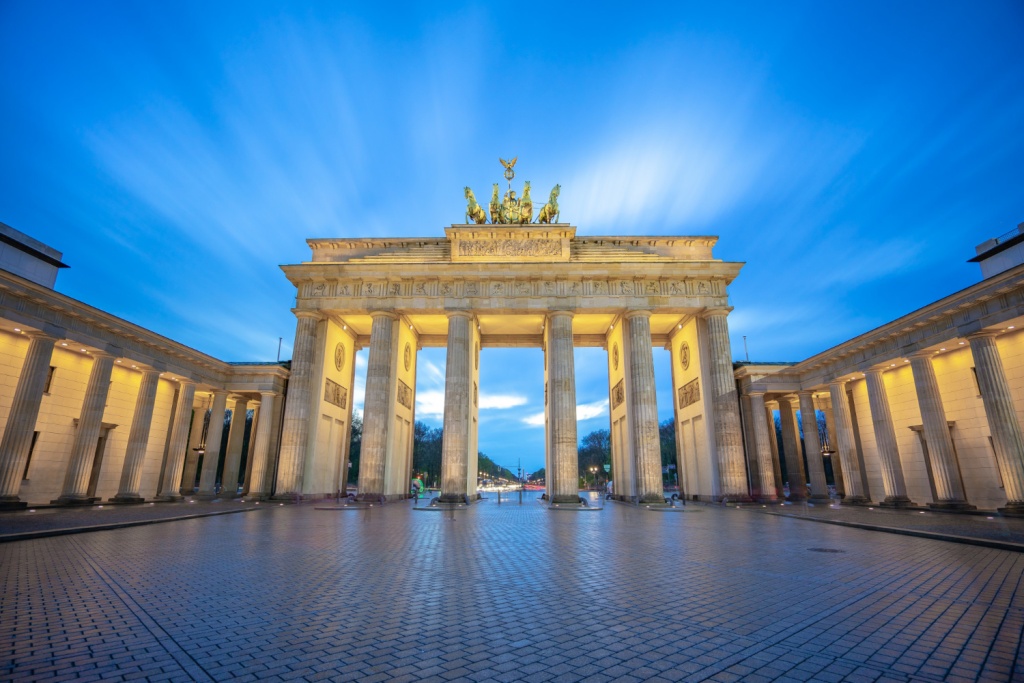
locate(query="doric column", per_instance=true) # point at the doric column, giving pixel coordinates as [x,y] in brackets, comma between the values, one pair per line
[885,439]
[728,435]
[195,440]
[812,447]
[261,450]
[846,445]
[1002,419]
[90,421]
[948,486]
[773,440]
[765,469]
[138,440]
[254,425]
[21,422]
[643,410]
[211,456]
[377,408]
[177,443]
[791,447]
[457,390]
[562,410]
[233,456]
[295,433]
[830,428]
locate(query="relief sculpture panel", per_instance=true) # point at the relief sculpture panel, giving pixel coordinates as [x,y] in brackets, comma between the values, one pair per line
[404,394]
[689,393]
[335,394]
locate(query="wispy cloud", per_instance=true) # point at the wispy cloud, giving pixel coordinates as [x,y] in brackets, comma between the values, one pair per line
[584,411]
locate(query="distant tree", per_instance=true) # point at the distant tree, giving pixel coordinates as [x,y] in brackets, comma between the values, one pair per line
[355,447]
[426,452]
[488,469]
[595,450]
[667,435]
[539,475]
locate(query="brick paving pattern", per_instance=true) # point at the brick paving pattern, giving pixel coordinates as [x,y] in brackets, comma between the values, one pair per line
[507,593]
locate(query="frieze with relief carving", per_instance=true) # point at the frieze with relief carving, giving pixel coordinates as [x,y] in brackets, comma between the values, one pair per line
[404,394]
[335,394]
[689,393]
[510,248]
[618,394]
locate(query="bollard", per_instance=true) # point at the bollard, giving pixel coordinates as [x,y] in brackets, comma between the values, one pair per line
[499,496]
[520,496]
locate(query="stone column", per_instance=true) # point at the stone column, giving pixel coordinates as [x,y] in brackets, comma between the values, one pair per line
[90,421]
[643,410]
[830,427]
[261,449]
[1002,419]
[457,389]
[21,422]
[773,440]
[762,445]
[376,406]
[791,446]
[728,435]
[254,425]
[177,444]
[214,435]
[812,447]
[295,433]
[195,439]
[948,486]
[233,457]
[885,439]
[138,440]
[845,444]
[565,488]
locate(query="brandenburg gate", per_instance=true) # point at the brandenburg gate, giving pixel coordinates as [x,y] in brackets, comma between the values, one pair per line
[510,283]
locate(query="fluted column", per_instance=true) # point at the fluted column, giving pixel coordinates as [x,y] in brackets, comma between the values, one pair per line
[261,450]
[254,425]
[90,421]
[643,409]
[564,489]
[765,469]
[885,439]
[177,443]
[295,433]
[773,441]
[195,440]
[812,447]
[211,457]
[846,445]
[830,427]
[138,440]
[1002,419]
[233,456]
[728,435]
[791,447]
[376,406]
[21,422]
[457,390]
[948,487]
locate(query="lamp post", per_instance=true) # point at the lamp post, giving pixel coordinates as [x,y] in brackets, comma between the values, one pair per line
[593,474]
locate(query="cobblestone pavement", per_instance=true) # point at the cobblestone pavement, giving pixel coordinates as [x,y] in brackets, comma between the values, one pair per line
[991,526]
[505,593]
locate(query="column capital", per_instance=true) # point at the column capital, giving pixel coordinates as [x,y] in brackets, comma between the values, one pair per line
[39,334]
[806,392]
[628,315]
[384,314]
[98,353]
[556,314]
[877,372]
[841,383]
[272,394]
[302,313]
[459,314]
[921,354]
[716,310]
[755,393]
[771,402]
[981,334]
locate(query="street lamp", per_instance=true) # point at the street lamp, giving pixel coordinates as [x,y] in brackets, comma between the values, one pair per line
[593,473]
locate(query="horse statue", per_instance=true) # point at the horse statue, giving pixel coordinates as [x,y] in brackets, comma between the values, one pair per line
[549,214]
[495,206]
[474,212]
[526,206]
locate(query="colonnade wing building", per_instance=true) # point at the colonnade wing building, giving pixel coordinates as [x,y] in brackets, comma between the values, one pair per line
[493,285]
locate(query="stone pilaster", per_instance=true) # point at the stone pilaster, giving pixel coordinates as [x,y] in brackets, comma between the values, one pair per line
[377,406]
[762,446]
[214,435]
[948,486]
[562,414]
[195,439]
[295,433]
[457,396]
[885,439]
[261,449]
[138,440]
[791,447]
[728,434]
[846,445]
[812,447]
[1007,438]
[90,421]
[178,441]
[21,421]
[773,440]
[643,410]
[233,456]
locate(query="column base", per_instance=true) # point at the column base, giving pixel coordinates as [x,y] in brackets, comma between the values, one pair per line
[13,504]
[1015,509]
[453,499]
[953,506]
[897,502]
[127,500]
[767,500]
[72,501]
[169,498]
[737,498]
[859,501]
[651,499]
[205,495]
[820,498]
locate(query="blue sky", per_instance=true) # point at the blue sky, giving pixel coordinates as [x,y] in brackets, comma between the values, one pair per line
[851,154]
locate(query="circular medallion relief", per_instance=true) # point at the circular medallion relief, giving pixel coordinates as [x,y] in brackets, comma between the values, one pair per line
[339,356]
[684,355]
[615,356]
[407,355]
